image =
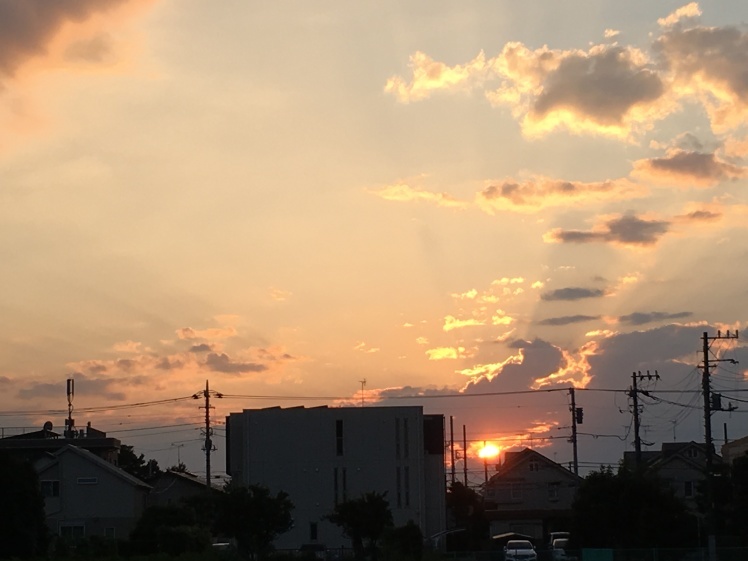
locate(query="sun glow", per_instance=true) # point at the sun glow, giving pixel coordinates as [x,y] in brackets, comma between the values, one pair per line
[488,451]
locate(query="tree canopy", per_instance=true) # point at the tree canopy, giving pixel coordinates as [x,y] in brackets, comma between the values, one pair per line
[468,513]
[23,531]
[363,520]
[630,509]
[254,517]
[137,466]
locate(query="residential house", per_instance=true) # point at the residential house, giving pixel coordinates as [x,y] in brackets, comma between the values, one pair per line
[734,449]
[321,456]
[85,495]
[174,487]
[34,445]
[682,465]
[530,495]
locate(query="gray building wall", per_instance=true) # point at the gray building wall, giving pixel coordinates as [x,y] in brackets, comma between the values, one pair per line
[90,496]
[323,455]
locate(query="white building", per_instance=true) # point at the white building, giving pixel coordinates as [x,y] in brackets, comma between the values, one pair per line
[321,456]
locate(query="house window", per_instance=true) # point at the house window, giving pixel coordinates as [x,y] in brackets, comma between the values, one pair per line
[72,531]
[405,438]
[50,488]
[688,489]
[515,491]
[398,487]
[88,480]
[339,437]
[407,485]
[553,488]
[534,466]
[397,438]
[692,453]
[313,531]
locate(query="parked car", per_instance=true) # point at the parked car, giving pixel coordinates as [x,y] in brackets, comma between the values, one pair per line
[558,550]
[520,550]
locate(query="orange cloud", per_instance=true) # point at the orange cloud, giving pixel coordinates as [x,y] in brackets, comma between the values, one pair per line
[430,75]
[405,193]
[210,333]
[538,193]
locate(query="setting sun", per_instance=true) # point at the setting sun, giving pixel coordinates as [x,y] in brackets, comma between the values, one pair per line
[488,451]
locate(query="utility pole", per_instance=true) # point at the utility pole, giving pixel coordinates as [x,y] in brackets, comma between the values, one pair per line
[363,385]
[208,446]
[707,391]
[464,455]
[634,395]
[452,446]
[576,415]
[70,422]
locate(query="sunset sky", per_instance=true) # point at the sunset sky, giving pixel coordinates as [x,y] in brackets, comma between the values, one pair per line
[440,198]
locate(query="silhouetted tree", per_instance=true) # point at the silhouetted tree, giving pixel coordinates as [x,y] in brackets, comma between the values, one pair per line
[468,513]
[629,509]
[363,520]
[254,517]
[137,466]
[23,531]
[403,542]
[169,529]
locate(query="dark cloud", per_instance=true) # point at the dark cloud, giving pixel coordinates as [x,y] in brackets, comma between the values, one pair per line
[166,364]
[602,86]
[641,318]
[703,168]
[201,348]
[223,363]
[716,54]
[27,26]
[625,230]
[567,320]
[572,293]
[97,50]
[539,359]
[95,387]
[702,216]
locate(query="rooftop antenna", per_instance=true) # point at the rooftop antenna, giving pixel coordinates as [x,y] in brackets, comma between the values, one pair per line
[70,422]
[363,384]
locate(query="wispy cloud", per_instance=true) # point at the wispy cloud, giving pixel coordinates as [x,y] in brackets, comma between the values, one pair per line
[572,293]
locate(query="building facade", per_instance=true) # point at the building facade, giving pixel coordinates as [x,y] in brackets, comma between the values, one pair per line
[84,495]
[321,456]
[530,495]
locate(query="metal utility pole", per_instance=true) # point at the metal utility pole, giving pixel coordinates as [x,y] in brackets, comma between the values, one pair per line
[464,454]
[208,446]
[363,385]
[707,391]
[70,422]
[634,395]
[576,414]
[452,445]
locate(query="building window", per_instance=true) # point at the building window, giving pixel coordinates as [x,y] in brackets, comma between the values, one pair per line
[88,480]
[692,453]
[313,531]
[688,489]
[50,488]
[534,466]
[339,437]
[345,485]
[398,487]
[110,533]
[407,485]
[405,438]
[335,484]
[553,488]
[72,531]
[515,491]
[397,438]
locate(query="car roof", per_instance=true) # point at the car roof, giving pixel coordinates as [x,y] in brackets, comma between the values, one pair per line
[516,543]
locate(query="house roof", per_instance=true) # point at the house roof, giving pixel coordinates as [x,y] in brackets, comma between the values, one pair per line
[670,451]
[514,460]
[52,458]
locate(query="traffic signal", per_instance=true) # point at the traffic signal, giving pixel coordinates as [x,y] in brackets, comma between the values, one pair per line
[579,413]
